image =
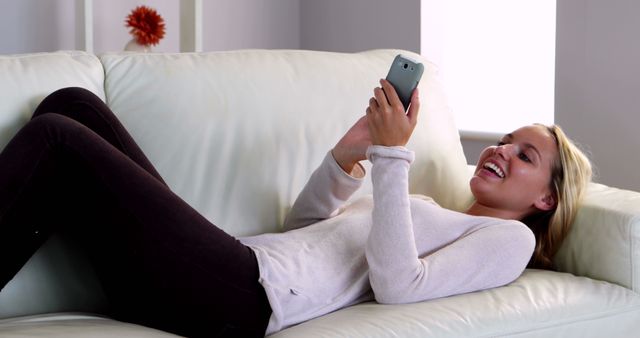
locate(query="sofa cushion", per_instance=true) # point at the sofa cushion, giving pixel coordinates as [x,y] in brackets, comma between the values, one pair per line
[538,304]
[237,134]
[70,325]
[26,79]
[54,277]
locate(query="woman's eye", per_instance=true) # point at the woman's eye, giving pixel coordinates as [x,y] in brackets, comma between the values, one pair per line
[500,143]
[524,157]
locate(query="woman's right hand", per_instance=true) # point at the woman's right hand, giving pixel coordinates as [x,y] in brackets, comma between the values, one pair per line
[352,147]
[389,125]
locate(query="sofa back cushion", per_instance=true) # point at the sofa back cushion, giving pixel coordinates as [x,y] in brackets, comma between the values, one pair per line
[237,134]
[56,277]
[26,79]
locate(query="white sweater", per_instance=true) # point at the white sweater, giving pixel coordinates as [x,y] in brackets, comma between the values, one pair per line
[390,246]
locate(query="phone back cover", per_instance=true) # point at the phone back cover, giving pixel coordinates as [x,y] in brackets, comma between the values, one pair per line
[405,80]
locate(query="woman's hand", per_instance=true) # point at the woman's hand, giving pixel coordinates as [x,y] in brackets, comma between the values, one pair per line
[352,147]
[388,123]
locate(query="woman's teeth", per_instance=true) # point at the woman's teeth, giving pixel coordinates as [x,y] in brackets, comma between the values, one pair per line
[493,167]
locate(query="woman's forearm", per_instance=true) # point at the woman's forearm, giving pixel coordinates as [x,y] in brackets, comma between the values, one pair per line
[328,188]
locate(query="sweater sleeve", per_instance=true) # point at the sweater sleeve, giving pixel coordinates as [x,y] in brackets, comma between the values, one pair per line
[328,188]
[489,256]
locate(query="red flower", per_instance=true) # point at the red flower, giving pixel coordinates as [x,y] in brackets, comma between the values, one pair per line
[147,26]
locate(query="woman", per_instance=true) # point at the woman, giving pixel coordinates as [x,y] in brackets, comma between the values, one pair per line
[74,168]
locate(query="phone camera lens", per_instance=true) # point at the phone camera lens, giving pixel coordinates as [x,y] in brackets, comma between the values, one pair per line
[405,66]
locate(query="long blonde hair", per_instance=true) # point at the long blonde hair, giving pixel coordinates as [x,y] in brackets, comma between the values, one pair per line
[570,175]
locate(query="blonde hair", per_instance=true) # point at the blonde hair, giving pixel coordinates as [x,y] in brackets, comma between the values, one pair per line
[570,175]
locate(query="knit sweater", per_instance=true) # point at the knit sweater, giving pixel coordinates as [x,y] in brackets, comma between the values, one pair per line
[392,247]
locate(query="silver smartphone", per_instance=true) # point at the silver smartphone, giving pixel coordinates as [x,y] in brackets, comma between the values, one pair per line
[405,75]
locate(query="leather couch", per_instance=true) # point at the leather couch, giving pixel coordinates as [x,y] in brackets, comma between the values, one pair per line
[237,134]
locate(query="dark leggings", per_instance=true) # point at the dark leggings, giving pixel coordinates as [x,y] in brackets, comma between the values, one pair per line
[73,168]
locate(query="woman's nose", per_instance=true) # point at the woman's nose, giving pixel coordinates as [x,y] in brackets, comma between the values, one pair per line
[505,150]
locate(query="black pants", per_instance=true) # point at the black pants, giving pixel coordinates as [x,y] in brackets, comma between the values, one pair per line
[74,168]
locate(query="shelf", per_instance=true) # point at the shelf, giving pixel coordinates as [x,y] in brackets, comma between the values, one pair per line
[190,25]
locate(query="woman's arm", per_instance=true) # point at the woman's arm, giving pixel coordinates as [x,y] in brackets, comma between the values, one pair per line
[328,188]
[340,174]
[352,148]
[490,256]
[337,178]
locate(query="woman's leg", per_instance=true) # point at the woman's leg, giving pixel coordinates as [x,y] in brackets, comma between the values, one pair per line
[85,107]
[162,263]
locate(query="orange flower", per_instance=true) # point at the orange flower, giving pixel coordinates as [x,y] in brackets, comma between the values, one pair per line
[147,26]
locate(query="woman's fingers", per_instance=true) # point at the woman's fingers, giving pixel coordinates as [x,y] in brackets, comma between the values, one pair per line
[388,123]
[391,95]
[386,99]
[373,104]
[381,99]
[414,107]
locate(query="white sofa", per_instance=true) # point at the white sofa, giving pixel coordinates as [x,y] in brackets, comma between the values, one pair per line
[237,134]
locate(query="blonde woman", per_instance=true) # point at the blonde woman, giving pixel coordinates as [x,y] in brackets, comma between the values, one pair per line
[74,168]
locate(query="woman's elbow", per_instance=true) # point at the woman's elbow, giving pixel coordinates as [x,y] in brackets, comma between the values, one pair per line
[384,297]
[392,292]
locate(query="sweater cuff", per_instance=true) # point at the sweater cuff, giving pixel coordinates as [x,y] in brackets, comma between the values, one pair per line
[399,152]
[342,176]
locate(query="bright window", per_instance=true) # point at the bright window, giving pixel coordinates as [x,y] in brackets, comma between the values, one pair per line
[496,60]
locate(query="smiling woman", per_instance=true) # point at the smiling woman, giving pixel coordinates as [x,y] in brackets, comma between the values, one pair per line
[537,175]
[523,158]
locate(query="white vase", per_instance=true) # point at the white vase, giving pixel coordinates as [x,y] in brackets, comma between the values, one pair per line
[134,46]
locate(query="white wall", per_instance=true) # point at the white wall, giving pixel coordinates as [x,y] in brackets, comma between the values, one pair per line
[36,25]
[357,25]
[241,24]
[334,25]
[49,25]
[598,83]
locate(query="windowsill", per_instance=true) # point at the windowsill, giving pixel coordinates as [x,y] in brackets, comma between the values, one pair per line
[474,135]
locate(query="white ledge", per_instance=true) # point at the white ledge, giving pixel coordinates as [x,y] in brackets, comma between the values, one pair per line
[474,135]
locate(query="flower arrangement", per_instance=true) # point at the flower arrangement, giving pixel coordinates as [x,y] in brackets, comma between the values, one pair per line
[147,26]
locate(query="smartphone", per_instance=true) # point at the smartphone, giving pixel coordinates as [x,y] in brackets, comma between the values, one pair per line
[405,75]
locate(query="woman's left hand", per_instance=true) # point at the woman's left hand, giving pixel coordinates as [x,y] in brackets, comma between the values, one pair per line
[388,123]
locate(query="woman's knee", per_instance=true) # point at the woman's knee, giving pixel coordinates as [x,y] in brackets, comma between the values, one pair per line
[70,94]
[49,120]
[52,125]
[60,100]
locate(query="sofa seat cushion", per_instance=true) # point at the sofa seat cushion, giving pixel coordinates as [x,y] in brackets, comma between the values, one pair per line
[70,325]
[538,304]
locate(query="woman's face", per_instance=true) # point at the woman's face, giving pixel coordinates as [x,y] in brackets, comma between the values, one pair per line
[514,176]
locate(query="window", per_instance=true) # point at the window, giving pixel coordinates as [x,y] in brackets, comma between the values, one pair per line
[496,60]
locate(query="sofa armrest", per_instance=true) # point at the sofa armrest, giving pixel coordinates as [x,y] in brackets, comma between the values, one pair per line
[603,241]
